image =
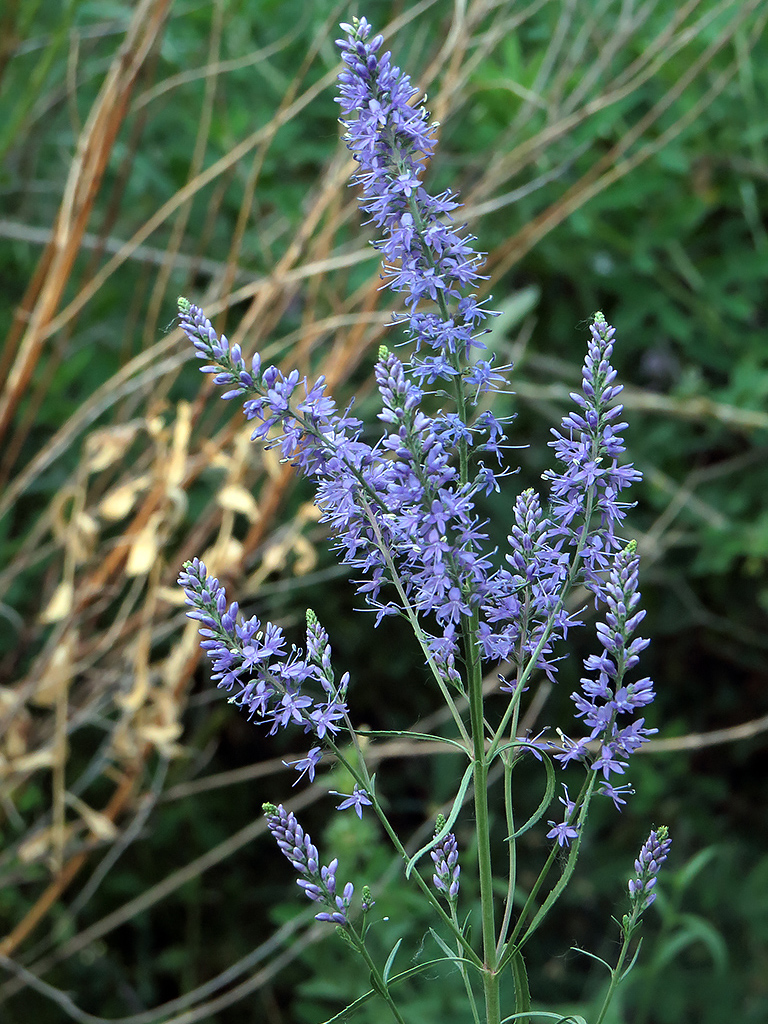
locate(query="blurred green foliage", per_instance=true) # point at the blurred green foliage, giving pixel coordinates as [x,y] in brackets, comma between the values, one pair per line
[675,252]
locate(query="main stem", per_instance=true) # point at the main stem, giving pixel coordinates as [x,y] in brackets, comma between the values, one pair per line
[482,828]
[470,632]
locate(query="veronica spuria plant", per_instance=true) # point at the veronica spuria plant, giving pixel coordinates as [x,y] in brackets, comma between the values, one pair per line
[402,514]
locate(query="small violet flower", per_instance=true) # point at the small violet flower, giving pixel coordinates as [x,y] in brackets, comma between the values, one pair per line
[566,830]
[306,765]
[358,800]
[319,883]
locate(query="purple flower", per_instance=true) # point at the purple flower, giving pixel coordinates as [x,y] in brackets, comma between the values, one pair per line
[616,793]
[358,800]
[565,830]
[653,854]
[445,856]
[525,604]
[306,765]
[319,883]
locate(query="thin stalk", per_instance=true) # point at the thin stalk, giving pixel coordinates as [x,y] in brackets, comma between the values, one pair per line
[463,972]
[581,806]
[361,779]
[482,825]
[615,976]
[379,984]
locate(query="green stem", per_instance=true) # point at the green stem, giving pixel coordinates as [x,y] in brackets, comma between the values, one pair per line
[464,972]
[615,977]
[363,779]
[379,984]
[482,825]
[512,869]
[581,807]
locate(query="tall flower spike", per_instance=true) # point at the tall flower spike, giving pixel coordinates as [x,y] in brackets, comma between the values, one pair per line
[589,445]
[525,596]
[653,854]
[391,138]
[605,697]
[319,883]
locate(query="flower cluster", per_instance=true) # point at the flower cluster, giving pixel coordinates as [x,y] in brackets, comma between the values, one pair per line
[589,445]
[523,607]
[523,610]
[653,854]
[319,883]
[267,678]
[445,856]
[402,510]
[605,695]
[391,138]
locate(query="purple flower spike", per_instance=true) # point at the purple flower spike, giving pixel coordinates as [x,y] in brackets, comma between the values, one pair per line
[605,697]
[319,883]
[653,854]
[445,856]
[589,445]
[391,138]
[255,665]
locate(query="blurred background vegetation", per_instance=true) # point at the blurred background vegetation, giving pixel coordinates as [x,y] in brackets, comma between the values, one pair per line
[612,155]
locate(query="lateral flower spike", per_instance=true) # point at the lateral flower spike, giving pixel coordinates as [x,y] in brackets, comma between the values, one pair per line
[318,882]
[445,857]
[653,854]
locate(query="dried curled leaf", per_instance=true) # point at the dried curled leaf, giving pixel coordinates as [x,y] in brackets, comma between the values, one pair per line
[60,604]
[145,547]
[236,498]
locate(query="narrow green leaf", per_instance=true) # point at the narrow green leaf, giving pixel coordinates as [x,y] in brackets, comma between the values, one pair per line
[546,800]
[592,956]
[428,737]
[443,945]
[522,989]
[448,824]
[632,962]
[391,960]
